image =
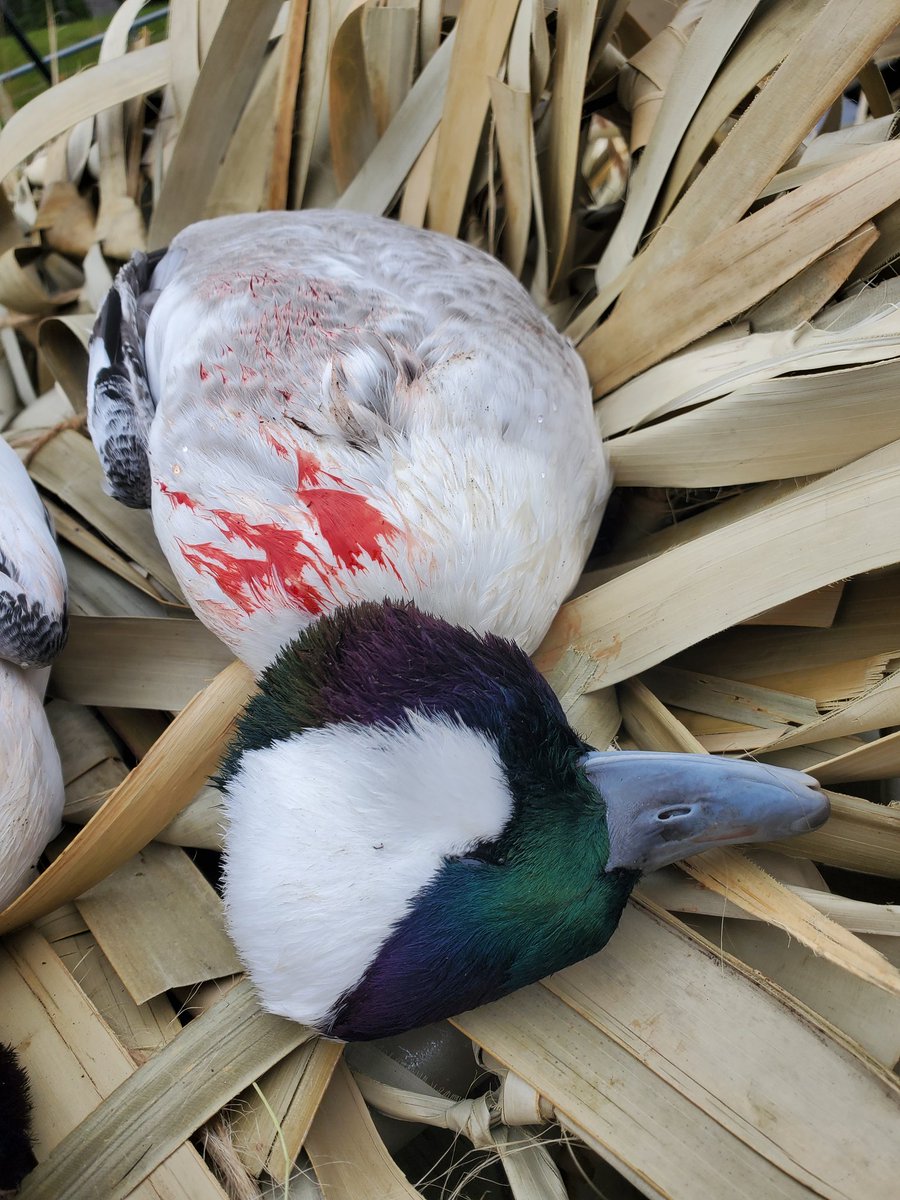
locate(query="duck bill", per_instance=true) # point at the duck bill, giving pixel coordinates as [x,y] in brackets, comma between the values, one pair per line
[664,807]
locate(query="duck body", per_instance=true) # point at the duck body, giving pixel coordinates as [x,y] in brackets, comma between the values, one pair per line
[374,468]
[32,631]
[337,408]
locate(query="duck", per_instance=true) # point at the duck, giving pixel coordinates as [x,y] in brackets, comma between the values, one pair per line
[16,1155]
[33,628]
[322,408]
[374,468]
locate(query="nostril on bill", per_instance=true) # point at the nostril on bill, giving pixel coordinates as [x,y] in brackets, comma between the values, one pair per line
[668,813]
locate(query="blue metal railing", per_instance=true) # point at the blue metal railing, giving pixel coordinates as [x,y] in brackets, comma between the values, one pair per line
[85,44]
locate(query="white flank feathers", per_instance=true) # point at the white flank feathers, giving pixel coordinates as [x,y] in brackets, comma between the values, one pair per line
[31,783]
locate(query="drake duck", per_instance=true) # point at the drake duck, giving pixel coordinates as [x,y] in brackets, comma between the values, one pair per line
[373,466]
[32,632]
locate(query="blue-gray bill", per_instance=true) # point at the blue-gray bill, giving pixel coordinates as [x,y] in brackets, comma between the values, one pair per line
[665,807]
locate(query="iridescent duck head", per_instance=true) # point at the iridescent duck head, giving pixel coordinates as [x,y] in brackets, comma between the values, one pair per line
[415,829]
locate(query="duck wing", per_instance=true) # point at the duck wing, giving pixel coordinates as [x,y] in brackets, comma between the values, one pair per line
[120,405]
[32,576]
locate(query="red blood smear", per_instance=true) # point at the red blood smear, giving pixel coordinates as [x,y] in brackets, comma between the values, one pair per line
[280,449]
[178,497]
[349,523]
[250,582]
[308,470]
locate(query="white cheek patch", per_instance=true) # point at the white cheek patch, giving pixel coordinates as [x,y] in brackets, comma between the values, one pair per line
[332,832]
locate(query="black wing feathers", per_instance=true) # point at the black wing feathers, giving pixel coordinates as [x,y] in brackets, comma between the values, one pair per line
[120,406]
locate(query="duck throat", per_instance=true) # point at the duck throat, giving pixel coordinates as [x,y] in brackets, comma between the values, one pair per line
[455,951]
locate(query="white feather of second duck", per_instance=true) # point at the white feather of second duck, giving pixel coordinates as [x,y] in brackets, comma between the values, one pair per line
[348,409]
[32,628]
[31,781]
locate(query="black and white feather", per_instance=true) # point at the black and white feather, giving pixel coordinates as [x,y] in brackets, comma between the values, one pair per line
[32,632]
[120,404]
[32,576]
